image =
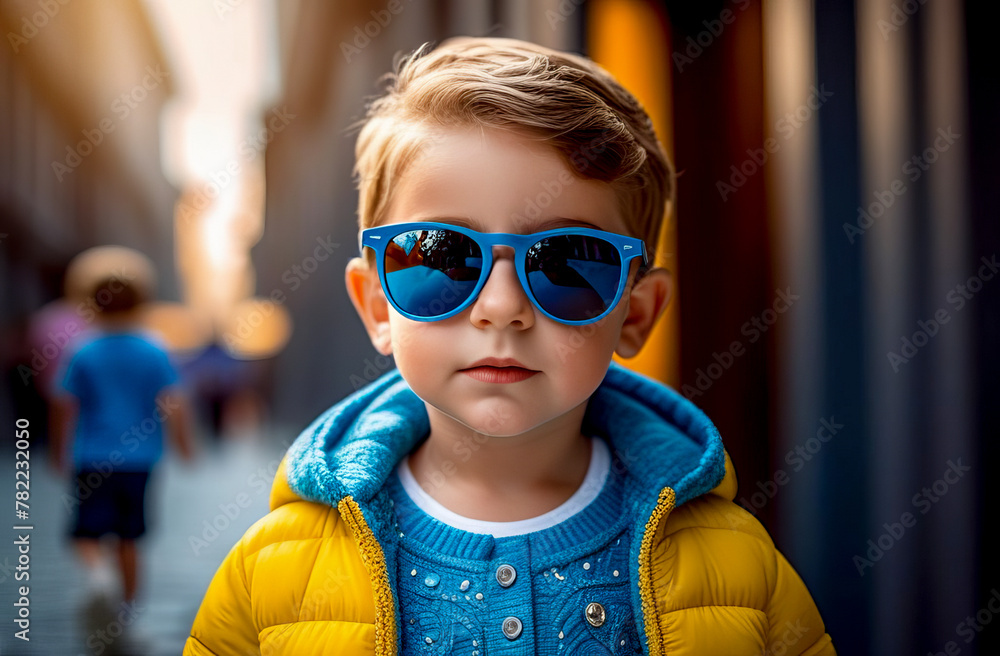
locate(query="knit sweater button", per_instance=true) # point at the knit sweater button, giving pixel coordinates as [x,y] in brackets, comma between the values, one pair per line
[512,628]
[506,575]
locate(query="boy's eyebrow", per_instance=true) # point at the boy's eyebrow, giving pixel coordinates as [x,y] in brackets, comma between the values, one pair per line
[527,226]
[451,220]
[564,222]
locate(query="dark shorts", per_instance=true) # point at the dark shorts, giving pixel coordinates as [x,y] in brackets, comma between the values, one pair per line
[110,503]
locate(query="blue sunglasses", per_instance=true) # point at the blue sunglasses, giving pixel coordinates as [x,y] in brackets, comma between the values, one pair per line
[432,271]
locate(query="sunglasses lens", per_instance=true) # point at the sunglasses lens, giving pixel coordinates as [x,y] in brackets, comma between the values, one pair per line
[429,273]
[574,277]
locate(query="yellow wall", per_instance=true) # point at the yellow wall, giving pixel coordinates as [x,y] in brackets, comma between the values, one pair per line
[630,39]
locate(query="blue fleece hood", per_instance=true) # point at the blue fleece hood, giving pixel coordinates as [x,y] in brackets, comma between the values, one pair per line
[658,436]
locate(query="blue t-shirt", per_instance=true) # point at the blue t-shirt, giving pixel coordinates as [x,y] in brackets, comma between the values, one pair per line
[116,377]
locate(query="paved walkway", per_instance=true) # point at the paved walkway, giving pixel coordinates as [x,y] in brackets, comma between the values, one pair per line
[197,512]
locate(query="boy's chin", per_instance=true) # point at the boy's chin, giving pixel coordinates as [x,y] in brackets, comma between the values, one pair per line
[498,422]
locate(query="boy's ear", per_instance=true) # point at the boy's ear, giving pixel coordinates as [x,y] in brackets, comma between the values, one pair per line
[366,294]
[648,300]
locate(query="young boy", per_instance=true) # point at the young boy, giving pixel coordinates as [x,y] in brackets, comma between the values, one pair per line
[117,390]
[507,490]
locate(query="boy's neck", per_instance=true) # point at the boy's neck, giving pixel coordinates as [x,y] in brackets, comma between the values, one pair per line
[118,322]
[502,479]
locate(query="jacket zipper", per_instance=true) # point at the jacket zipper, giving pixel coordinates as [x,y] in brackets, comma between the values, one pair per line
[374,559]
[664,506]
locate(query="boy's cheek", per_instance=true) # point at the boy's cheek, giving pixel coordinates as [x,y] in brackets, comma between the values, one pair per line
[427,349]
[382,340]
[405,337]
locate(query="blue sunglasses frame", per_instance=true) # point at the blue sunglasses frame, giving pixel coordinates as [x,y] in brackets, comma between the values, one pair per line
[379,238]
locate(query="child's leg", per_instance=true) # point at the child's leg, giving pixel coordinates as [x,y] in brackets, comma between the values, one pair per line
[89,550]
[128,563]
[101,581]
[94,517]
[130,526]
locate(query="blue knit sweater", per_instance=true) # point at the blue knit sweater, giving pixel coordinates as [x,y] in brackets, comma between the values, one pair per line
[449,594]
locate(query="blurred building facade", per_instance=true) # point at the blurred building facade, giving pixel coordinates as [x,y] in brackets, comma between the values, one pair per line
[83,86]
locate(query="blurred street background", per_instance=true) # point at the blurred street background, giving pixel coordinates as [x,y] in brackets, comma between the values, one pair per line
[195,518]
[835,245]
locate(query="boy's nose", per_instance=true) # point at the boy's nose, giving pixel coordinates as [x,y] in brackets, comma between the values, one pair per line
[502,301]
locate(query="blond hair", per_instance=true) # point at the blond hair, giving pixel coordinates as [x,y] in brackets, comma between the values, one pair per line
[563,99]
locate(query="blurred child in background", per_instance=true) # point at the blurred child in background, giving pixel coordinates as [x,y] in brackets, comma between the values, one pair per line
[116,390]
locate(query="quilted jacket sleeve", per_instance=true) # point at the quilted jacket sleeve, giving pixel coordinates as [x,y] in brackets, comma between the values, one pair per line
[295,584]
[224,624]
[721,588]
[793,619]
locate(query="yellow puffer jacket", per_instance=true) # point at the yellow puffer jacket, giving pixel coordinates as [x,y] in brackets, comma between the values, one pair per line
[316,575]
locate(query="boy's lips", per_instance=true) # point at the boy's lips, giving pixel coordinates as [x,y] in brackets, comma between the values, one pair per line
[498,370]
